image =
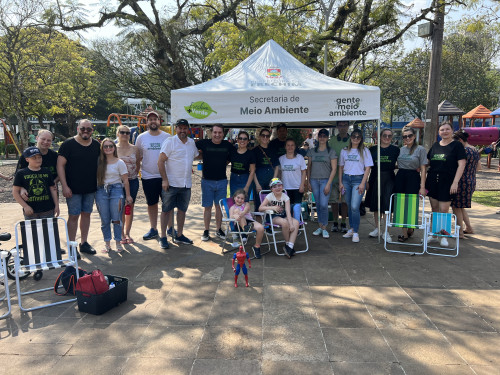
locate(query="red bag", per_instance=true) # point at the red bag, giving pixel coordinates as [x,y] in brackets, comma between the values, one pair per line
[94,283]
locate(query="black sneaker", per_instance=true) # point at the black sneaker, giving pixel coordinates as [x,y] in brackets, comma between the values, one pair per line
[220,234]
[286,249]
[183,239]
[343,227]
[153,233]
[164,243]
[205,236]
[86,248]
[78,256]
[291,251]
[335,227]
[169,232]
[256,251]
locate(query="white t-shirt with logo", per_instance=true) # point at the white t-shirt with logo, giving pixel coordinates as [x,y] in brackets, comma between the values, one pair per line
[352,163]
[150,147]
[291,171]
[180,161]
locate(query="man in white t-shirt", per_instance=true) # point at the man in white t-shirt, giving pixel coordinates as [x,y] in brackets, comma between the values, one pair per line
[149,145]
[175,165]
[310,140]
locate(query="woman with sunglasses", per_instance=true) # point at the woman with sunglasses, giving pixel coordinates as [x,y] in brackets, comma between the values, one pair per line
[354,167]
[242,165]
[293,174]
[322,167]
[129,154]
[266,162]
[388,157]
[447,160]
[410,178]
[112,180]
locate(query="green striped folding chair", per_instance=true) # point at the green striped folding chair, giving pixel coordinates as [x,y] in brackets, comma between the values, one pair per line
[443,226]
[405,211]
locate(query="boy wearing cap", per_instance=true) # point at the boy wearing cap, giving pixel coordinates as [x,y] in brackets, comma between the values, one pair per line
[39,182]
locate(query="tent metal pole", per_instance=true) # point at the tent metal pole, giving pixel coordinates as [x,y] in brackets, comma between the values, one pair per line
[378,178]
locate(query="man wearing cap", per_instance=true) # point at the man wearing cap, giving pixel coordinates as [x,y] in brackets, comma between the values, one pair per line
[215,154]
[338,142]
[175,165]
[149,144]
[77,171]
[278,144]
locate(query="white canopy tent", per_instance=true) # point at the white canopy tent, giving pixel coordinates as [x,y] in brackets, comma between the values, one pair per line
[273,86]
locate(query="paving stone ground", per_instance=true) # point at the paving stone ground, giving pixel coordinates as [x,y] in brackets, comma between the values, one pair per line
[341,308]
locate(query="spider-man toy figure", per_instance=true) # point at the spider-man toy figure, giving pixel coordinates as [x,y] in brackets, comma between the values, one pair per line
[240,256]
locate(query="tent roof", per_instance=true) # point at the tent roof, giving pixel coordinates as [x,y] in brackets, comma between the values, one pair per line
[416,123]
[479,112]
[272,86]
[445,108]
[496,112]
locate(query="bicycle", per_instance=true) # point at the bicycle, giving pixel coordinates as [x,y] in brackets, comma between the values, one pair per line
[11,273]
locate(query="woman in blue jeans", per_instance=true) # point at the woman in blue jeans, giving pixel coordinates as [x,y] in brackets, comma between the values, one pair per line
[242,165]
[321,169]
[112,179]
[266,162]
[354,168]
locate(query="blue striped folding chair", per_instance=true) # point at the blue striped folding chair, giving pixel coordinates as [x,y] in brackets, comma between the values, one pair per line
[42,251]
[5,280]
[443,226]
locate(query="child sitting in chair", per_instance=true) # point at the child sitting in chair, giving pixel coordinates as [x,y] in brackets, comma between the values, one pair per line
[279,203]
[240,212]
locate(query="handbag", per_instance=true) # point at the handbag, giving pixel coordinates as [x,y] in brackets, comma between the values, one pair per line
[67,278]
[93,283]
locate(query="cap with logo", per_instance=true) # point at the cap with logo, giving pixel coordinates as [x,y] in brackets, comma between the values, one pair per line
[31,151]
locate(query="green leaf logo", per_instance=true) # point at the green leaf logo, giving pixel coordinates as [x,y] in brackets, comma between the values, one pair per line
[199,110]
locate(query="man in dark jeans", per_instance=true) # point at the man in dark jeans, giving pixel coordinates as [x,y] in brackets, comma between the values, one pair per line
[77,171]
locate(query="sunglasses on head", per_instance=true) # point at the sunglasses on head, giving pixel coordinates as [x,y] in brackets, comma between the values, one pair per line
[84,129]
[407,136]
[124,132]
[108,146]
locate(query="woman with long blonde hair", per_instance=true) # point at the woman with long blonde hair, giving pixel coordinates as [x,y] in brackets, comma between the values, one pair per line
[112,179]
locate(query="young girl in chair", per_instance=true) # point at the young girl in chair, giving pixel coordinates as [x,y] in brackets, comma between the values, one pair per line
[240,211]
[279,202]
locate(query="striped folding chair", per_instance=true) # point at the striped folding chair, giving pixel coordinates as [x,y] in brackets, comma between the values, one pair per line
[42,251]
[405,211]
[5,281]
[443,226]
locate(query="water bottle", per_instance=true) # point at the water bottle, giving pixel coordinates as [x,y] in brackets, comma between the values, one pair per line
[128,209]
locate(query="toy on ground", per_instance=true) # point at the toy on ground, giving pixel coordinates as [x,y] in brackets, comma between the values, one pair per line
[240,257]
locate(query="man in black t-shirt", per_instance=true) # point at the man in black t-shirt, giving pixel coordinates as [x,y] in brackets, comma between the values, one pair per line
[215,154]
[77,170]
[278,144]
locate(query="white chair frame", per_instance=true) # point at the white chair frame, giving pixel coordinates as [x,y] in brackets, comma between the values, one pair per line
[454,234]
[3,277]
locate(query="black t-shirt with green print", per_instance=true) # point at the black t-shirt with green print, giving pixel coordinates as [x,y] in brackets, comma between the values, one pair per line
[240,163]
[444,159]
[38,184]
[388,157]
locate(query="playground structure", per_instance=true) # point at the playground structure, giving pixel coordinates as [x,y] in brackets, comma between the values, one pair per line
[9,139]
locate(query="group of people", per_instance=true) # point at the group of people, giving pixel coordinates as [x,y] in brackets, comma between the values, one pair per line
[337,170]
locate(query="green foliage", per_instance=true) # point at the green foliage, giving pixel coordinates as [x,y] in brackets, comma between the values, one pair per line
[488,198]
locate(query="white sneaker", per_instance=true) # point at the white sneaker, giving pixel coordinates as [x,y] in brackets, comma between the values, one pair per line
[374,233]
[355,237]
[326,234]
[388,237]
[444,242]
[348,234]
[317,232]
[431,239]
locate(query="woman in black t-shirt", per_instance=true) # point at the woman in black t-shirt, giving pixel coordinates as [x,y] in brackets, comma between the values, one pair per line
[447,162]
[266,161]
[242,165]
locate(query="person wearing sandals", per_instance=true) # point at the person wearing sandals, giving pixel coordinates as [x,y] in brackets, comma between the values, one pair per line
[321,170]
[240,211]
[388,157]
[354,167]
[278,202]
[129,153]
[411,175]
[447,161]
[467,184]
[112,180]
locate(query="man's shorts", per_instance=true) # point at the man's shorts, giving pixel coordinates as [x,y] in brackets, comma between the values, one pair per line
[175,198]
[79,203]
[152,190]
[335,196]
[212,191]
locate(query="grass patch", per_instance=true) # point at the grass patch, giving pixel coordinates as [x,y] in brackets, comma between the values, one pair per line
[488,198]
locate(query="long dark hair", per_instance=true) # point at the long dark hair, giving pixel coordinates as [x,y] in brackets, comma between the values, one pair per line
[317,144]
[361,147]
[414,145]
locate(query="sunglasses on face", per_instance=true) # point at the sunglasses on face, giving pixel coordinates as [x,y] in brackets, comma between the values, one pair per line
[123,132]
[386,135]
[108,146]
[83,129]
[265,135]
[355,137]
[242,139]
[408,136]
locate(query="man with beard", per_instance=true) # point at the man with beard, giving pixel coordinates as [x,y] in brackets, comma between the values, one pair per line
[149,144]
[175,164]
[77,171]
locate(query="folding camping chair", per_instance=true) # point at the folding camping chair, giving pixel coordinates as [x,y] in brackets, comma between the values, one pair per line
[313,211]
[444,225]
[276,229]
[404,212]
[41,251]
[234,231]
[5,280]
